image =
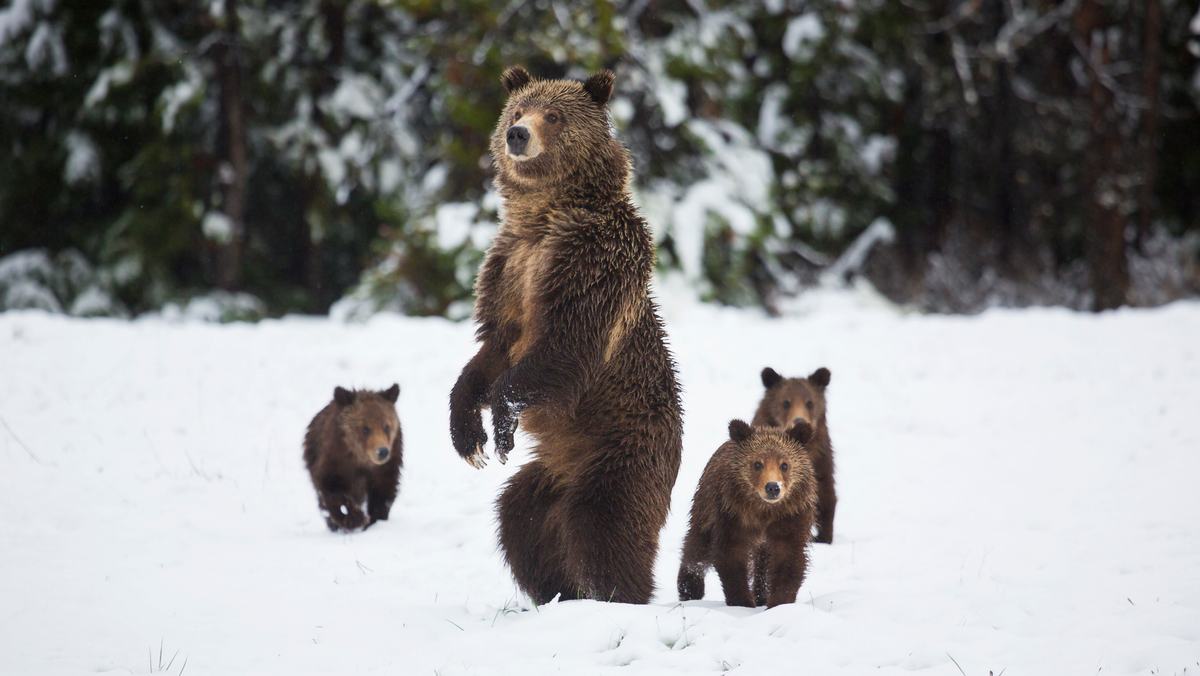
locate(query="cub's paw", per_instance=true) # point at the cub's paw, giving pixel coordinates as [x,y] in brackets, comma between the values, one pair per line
[347,519]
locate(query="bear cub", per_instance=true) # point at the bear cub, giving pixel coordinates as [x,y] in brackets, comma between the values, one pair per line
[788,400]
[752,516]
[353,452]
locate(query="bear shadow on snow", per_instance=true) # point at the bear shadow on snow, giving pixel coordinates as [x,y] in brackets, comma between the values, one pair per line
[573,350]
[752,516]
[353,450]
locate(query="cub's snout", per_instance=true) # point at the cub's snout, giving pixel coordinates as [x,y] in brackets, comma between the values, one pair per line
[772,490]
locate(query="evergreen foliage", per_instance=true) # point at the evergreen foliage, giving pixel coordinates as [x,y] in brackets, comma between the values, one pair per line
[304,151]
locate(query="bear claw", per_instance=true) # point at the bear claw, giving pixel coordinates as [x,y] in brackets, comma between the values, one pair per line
[478,459]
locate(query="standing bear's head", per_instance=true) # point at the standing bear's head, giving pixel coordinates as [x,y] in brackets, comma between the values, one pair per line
[790,400]
[771,461]
[555,131]
[368,423]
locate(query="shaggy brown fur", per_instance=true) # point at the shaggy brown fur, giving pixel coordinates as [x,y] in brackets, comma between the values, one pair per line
[788,400]
[573,349]
[353,450]
[755,504]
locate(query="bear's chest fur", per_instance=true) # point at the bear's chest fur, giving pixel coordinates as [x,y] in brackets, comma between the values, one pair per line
[527,251]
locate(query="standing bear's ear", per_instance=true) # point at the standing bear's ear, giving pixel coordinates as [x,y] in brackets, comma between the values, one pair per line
[392,393]
[770,377]
[739,431]
[515,78]
[801,432]
[600,87]
[820,377]
[342,396]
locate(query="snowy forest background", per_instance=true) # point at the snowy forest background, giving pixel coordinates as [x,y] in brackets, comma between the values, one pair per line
[243,158]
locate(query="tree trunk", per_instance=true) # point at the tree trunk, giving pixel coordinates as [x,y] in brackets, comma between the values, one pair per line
[1102,189]
[317,212]
[1151,75]
[231,171]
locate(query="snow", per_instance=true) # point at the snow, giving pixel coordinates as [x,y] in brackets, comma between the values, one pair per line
[93,301]
[851,261]
[176,96]
[20,15]
[46,50]
[739,175]
[29,294]
[876,151]
[770,117]
[823,216]
[217,226]
[454,222]
[355,97]
[83,159]
[25,280]
[26,264]
[1021,485]
[116,75]
[802,36]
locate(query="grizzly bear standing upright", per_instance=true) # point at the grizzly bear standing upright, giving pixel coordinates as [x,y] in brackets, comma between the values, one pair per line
[788,400]
[573,349]
[754,506]
[353,450]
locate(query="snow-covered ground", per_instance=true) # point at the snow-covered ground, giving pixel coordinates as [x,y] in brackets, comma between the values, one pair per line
[1019,491]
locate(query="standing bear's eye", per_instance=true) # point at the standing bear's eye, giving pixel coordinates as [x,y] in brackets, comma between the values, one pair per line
[387,429]
[757,466]
[366,431]
[786,404]
[783,467]
[809,405]
[516,116]
[552,118]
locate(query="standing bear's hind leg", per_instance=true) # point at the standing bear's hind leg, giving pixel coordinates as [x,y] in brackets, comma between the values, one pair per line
[613,520]
[694,564]
[529,536]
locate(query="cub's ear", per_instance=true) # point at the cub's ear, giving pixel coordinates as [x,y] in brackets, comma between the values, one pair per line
[770,377]
[600,87]
[801,432]
[515,78]
[739,431]
[342,396]
[392,393]
[820,377]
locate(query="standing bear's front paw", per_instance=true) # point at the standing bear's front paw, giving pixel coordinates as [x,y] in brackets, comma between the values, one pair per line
[467,435]
[504,423]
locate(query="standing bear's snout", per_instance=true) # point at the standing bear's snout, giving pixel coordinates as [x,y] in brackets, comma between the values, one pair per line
[772,490]
[517,138]
[383,452]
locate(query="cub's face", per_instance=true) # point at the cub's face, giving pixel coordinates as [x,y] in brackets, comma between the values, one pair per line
[550,129]
[369,424]
[769,459]
[770,474]
[791,400]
